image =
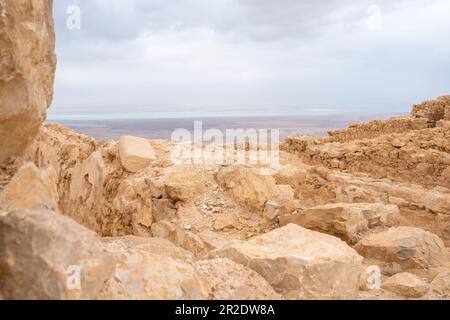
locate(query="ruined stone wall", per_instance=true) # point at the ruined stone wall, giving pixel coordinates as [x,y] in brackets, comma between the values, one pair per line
[376,128]
[433,110]
[421,156]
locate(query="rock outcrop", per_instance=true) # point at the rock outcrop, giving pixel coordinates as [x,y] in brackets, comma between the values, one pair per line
[349,221]
[300,264]
[406,285]
[27,70]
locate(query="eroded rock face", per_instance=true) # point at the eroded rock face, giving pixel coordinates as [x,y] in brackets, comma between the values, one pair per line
[232,281]
[135,153]
[31,187]
[152,269]
[406,285]
[300,264]
[27,69]
[41,250]
[349,221]
[38,248]
[403,248]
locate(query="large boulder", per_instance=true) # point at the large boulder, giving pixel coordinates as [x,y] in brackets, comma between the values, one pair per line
[48,256]
[31,187]
[253,189]
[441,284]
[232,281]
[300,263]
[403,248]
[27,68]
[152,269]
[349,221]
[41,250]
[407,285]
[183,183]
[135,153]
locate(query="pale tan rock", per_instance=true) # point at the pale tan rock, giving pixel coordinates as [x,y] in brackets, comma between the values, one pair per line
[406,247]
[299,263]
[247,185]
[40,252]
[224,221]
[349,221]
[441,283]
[216,240]
[27,70]
[184,184]
[31,187]
[180,237]
[273,210]
[406,285]
[232,281]
[144,270]
[164,209]
[135,153]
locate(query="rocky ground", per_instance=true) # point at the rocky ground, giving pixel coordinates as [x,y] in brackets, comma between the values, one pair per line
[361,214]
[143,227]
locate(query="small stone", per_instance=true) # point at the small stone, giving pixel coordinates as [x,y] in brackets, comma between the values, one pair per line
[406,285]
[224,221]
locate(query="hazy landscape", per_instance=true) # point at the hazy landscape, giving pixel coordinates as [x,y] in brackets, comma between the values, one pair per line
[317,125]
[102,198]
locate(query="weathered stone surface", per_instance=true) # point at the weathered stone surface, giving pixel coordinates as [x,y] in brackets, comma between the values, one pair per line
[27,70]
[249,187]
[180,237]
[349,221]
[164,209]
[441,284]
[232,281]
[146,269]
[183,184]
[31,187]
[135,153]
[406,285]
[299,263]
[38,248]
[405,247]
[433,110]
[274,209]
[224,221]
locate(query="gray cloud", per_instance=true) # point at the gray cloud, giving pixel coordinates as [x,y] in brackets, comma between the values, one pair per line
[290,53]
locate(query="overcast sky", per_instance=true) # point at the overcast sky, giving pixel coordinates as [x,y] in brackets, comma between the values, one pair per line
[160,55]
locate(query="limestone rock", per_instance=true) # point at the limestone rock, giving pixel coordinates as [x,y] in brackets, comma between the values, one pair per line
[232,281]
[273,210]
[135,153]
[180,237]
[164,209]
[299,263]
[441,284]
[41,252]
[405,247]
[224,221]
[349,221]
[406,285]
[183,184]
[31,187]
[247,185]
[148,270]
[27,70]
